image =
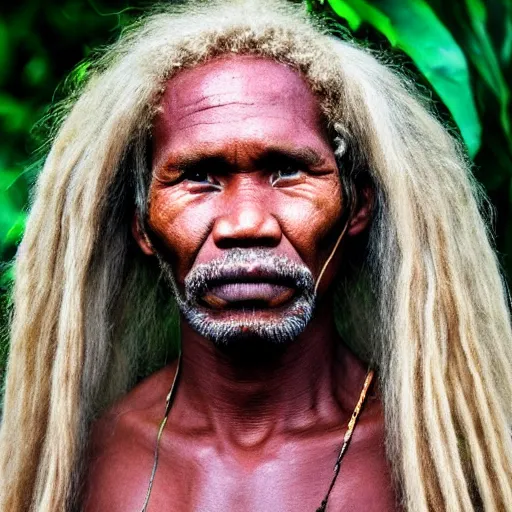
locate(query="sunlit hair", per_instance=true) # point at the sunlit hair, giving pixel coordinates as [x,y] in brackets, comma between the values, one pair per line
[86,305]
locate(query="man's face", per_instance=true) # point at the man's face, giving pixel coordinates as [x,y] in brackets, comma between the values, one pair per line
[245,200]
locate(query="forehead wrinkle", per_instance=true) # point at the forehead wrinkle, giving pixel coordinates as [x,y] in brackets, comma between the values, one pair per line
[215,90]
[219,103]
[211,107]
[240,119]
[233,112]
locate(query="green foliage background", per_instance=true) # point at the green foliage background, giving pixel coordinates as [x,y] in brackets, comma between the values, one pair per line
[459,53]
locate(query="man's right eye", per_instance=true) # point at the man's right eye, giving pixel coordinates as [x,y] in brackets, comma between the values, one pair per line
[199,176]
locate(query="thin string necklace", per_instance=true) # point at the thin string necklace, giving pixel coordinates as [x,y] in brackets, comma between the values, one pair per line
[346,439]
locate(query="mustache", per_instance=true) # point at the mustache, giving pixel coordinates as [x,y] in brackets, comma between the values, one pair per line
[248,265]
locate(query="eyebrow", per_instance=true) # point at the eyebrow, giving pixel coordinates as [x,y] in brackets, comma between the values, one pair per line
[305,156]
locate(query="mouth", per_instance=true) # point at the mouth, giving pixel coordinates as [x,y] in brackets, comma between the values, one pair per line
[249,290]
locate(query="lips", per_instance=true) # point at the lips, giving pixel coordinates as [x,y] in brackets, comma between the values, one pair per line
[248,289]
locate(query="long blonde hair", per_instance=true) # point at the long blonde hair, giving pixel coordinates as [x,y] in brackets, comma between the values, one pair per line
[86,304]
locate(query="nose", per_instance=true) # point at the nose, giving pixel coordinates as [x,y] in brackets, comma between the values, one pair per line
[246,223]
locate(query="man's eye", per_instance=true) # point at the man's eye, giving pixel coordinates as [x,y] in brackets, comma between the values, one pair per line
[199,176]
[284,174]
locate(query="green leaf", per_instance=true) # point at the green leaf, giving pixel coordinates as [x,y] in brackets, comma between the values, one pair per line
[36,70]
[506,47]
[356,11]
[486,61]
[343,10]
[12,216]
[15,232]
[499,26]
[14,114]
[5,52]
[430,45]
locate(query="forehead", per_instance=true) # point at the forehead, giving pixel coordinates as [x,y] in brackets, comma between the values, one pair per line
[248,98]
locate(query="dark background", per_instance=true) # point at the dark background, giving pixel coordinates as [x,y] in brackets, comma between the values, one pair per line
[458,52]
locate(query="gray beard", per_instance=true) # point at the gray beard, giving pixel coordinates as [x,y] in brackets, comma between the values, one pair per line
[281,327]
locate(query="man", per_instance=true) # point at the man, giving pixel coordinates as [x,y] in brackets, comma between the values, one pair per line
[244,207]
[265,171]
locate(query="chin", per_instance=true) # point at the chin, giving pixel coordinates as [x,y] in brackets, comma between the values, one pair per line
[248,327]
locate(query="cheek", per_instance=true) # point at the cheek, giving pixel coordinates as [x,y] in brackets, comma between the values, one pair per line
[312,222]
[180,224]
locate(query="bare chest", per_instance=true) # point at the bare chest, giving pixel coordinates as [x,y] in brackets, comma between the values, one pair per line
[294,478]
[197,473]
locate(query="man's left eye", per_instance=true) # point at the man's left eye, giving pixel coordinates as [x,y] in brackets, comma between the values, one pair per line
[284,174]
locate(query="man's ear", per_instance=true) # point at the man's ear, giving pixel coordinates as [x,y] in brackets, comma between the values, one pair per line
[141,236]
[363,211]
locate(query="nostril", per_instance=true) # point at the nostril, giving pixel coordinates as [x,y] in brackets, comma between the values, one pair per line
[247,228]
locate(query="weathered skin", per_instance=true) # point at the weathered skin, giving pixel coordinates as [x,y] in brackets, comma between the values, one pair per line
[245,437]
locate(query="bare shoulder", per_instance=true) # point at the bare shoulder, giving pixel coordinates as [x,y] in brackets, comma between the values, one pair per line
[121,446]
[137,409]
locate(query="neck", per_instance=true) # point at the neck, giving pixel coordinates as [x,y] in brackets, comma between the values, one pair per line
[247,399]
